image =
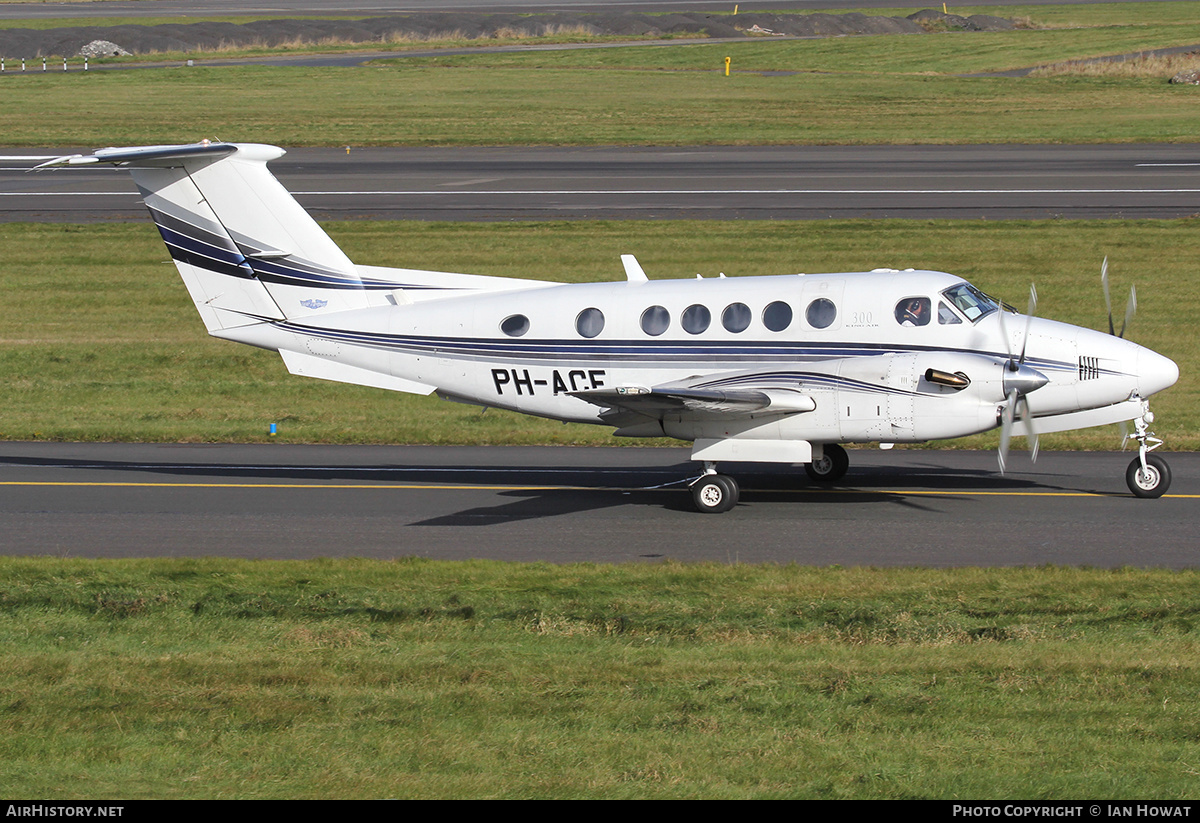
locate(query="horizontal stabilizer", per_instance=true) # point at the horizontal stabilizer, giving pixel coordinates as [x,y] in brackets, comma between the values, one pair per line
[145,155]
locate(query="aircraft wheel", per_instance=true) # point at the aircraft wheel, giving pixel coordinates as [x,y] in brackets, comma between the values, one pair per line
[1153,482]
[715,493]
[831,467]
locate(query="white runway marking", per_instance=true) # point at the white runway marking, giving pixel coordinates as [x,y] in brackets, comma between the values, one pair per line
[514,193]
[593,192]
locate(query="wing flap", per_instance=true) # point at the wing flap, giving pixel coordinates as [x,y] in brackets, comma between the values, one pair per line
[660,401]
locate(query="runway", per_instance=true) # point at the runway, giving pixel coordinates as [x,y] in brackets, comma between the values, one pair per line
[897,508]
[782,182]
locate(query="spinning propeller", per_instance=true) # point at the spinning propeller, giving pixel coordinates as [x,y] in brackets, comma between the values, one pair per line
[1130,304]
[1019,381]
[1130,309]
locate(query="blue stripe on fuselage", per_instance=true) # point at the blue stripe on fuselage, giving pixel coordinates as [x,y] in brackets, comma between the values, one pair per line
[649,353]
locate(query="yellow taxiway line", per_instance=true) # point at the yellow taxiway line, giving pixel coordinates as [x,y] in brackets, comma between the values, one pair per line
[459,487]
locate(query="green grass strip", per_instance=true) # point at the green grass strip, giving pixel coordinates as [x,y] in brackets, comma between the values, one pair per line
[850,90]
[540,103]
[416,679]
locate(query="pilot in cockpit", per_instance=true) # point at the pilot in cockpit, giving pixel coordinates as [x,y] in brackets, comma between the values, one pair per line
[913,311]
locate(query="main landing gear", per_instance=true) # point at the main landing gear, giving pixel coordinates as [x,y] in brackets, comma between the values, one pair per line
[831,466]
[715,493]
[1148,475]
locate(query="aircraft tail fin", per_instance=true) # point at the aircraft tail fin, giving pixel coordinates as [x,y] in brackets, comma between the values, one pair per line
[246,250]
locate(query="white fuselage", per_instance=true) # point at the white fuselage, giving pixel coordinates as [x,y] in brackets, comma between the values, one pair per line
[838,339]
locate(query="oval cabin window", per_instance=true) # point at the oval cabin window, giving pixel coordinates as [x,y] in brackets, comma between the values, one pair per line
[821,313]
[655,320]
[696,319]
[777,316]
[736,317]
[515,325]
[589,323]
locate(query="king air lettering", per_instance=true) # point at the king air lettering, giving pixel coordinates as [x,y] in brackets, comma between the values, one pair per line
[521,382]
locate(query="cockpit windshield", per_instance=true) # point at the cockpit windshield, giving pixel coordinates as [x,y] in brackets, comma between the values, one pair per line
[969,300]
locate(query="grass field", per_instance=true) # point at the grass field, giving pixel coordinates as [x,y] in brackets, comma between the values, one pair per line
[429,105]
[878,89]
[408,679]
[100,340]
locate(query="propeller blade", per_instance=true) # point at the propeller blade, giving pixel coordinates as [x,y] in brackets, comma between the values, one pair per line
[1006,424]
[1004,334]
[1107,297]
[1030,432]
[1028,320]
[1130,309]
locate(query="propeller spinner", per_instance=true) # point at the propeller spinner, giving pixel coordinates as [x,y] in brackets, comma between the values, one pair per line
[1019,381]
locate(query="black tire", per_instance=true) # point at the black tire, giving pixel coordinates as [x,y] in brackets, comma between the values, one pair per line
[1154,482]
[715,493]
[830,468]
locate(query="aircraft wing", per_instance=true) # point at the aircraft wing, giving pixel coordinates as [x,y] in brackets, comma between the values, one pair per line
[664,400]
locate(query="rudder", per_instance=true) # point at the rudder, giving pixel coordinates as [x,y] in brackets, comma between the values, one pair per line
[246,250]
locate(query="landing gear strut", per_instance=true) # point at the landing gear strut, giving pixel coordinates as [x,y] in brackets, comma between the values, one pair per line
[1148,475]
[715,493]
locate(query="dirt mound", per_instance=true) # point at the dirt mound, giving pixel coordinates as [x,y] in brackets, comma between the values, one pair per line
[932,20]
[191,37]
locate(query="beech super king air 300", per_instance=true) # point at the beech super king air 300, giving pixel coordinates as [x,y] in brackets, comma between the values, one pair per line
[775,369]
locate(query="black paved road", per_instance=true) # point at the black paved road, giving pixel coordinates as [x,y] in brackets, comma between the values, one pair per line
[938,508]
[785,182]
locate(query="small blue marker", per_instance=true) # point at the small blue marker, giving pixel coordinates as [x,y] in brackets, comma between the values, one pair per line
[272,429]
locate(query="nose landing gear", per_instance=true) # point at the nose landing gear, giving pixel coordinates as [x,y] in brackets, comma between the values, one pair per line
[1148,475]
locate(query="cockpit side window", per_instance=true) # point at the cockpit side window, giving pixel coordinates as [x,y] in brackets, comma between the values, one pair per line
[946,315]
[913,311]
[969,300]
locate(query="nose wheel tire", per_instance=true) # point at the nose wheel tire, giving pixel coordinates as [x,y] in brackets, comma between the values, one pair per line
[1151,482]
[715,493]
[831,466]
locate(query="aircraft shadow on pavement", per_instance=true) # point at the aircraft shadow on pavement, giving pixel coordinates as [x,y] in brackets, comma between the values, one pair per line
[862,487]
[532,492]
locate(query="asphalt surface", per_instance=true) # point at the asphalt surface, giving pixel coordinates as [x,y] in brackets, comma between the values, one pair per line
[897,508]
[786,182]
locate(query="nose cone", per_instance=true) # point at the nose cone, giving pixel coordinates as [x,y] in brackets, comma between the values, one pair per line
[1023,379]
[1155,372]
